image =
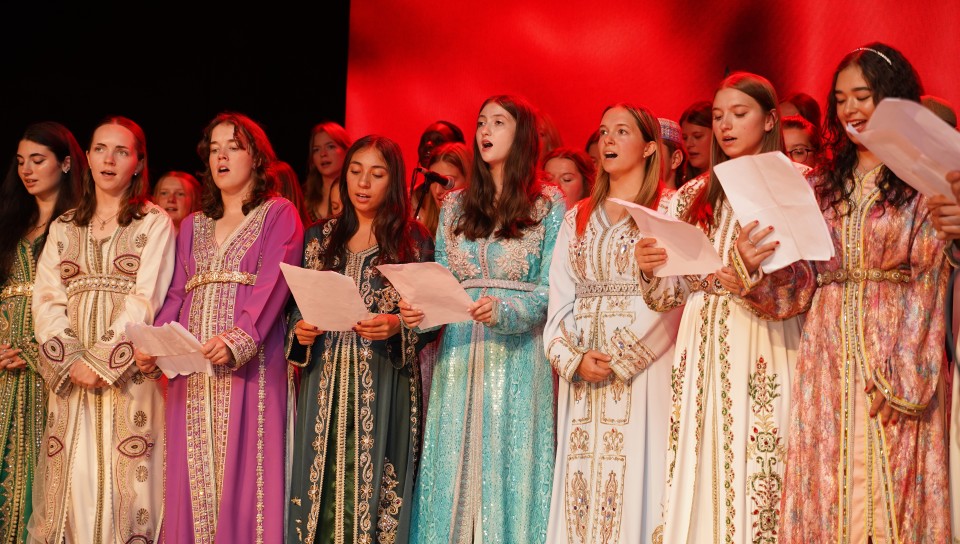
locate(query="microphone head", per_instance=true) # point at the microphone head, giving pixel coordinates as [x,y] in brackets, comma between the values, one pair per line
[430,176]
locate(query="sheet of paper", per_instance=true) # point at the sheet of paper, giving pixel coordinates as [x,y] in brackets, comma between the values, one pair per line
[177,351]
[689,251]
[431,288]
[769,188]
[326,299]
[912,141]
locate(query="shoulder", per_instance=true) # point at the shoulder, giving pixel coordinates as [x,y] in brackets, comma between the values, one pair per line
[693,187]
[154,215]
[550,202]
[322,228]
[453,199]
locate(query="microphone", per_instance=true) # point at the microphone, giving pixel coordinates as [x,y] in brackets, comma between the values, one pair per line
[429,176]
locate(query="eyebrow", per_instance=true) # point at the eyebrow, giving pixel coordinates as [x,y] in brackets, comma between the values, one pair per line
[855,89]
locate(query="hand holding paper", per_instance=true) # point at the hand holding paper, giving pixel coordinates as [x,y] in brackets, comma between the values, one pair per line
[768,188]
[689,251]
[329,300]
[177,351]
[914,143]
[431,288]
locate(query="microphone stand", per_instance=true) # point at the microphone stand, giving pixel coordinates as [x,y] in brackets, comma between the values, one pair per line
[423,194]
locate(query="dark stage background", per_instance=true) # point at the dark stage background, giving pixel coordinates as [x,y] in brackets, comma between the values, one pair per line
[172,66]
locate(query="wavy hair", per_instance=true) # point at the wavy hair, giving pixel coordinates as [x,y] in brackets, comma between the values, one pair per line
[250,136]
[508,215]
[890,75]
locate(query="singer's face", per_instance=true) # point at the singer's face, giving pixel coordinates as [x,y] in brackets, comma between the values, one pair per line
[739,122]
[565,174]
[854,99]
[367,181]
[436,134]
[449,171]
[622,147]
[327,156]
[495,131]
[230,161]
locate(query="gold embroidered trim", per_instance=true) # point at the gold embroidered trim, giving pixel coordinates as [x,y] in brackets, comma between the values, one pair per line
[608,288]
[488,283]
[896,402]
[24,289]
[217,276]
[860,275]
[97,282]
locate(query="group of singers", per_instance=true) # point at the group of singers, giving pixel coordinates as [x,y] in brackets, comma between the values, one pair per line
[589,400]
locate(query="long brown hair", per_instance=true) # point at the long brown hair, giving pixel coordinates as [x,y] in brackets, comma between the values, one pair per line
[652,187]
[889,74]
[702,210]
[455,154]
[137,194]
[18,208]
[313,183]
[510,214]
[392,224]
[249,135]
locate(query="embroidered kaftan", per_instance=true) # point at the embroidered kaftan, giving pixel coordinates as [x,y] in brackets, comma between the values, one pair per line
[358,415]
[731,380]
[488,448]
[890,330]
[23,398]
[612,435]
[226,434]
[100,477]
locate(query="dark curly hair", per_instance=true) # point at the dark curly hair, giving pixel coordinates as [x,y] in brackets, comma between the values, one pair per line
[889,74]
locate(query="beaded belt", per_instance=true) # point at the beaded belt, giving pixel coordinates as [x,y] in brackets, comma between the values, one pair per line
[843,275]
[481,283]
[96,282]
[217,276]
[608,288]
[16,290]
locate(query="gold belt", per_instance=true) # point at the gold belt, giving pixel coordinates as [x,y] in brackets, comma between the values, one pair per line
[217,276]
[842,275]
[16,290]
[98,282]
[604,289]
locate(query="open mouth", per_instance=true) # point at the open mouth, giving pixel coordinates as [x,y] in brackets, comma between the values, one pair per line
[486,144]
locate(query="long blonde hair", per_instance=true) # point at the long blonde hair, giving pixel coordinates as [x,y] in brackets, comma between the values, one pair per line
[650,191]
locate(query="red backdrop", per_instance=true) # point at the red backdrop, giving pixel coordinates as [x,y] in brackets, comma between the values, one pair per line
[411,63]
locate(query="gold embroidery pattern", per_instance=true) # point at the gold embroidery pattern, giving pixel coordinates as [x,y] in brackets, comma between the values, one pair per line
[220,276]
[14,289]
[677,374]
[579,441]
[580,506]
[766,449]
[609,506]
[390,503]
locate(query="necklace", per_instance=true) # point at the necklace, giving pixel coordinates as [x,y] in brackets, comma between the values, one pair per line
[859,175]
[103,222]
[38,227]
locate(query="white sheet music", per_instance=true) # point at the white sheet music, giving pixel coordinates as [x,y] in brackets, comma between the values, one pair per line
[177,351]
[689,251]
[769,188]
[919,147]
[432,289]
[326,299]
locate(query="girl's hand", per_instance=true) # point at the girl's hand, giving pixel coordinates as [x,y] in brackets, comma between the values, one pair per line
[731,281]
[146,363]
[888,415]
[594,366]
[306,333]
[10,358]
[482,310]
[945,215]
[216,351]
[649,256]
[83,376]
[411,316]
[378,327]
[752,252]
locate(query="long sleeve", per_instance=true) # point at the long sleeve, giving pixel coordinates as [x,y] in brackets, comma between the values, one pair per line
[58,350]
[177,294]
[563,339]
[783,294]
[909,376]
[282,242]
[112,358]
[520,313]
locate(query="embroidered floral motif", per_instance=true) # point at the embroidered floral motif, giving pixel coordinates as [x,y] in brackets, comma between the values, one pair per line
[608,508]
[766,449]
[390,504]
[579,440]
[677,374]
[140,418]
[613,441]
[580,504]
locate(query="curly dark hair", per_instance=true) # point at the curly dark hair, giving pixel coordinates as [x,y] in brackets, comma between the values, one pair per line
[889,74]
[250,136]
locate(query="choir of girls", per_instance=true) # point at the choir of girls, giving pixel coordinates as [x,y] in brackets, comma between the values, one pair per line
[588,400]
